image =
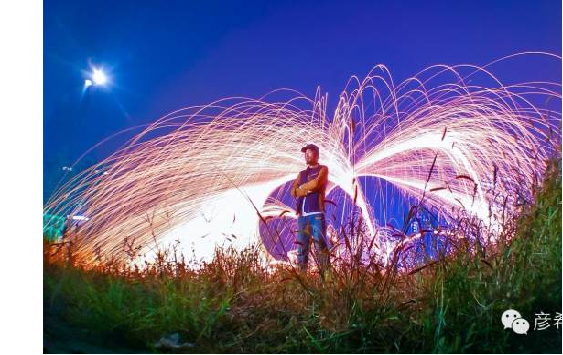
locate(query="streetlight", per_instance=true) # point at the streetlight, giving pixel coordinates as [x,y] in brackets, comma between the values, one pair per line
[97,78]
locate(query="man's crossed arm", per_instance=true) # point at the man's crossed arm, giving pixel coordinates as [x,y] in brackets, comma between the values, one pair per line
[311,185]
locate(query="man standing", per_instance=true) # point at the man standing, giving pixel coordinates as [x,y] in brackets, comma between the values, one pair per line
[309,190]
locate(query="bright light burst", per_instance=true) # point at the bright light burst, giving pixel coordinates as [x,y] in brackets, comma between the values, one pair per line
[197,174]
[99,78]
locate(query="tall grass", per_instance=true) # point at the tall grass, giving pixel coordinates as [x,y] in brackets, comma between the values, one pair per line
[237,304]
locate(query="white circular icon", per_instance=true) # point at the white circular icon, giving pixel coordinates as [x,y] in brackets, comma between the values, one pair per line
[520,326]
[509,316]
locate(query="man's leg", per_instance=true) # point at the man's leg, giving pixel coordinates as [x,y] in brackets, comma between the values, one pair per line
[322,244]
[302,243]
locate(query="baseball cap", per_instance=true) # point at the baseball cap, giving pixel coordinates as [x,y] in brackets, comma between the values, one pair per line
[310,146]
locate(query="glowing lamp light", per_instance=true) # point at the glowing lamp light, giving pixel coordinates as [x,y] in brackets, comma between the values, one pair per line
[98,77]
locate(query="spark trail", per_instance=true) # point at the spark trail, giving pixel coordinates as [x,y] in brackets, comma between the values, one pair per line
[197,174]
